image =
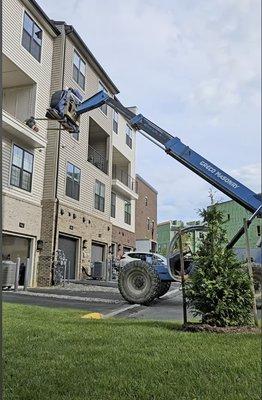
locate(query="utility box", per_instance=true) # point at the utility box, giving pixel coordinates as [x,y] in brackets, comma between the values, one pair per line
[8,273]
[97,270]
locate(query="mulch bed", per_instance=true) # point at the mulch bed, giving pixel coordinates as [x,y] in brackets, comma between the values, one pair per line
[220,329]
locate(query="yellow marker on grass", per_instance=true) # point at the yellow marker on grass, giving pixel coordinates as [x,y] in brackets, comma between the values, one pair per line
[94,315]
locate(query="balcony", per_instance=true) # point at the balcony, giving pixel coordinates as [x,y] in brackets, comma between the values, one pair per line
[124,183]
[98,146]
[97,159]
[21,131]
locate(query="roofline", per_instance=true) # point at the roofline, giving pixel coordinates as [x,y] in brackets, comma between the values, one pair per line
[146,183]
[93,61]
[44,16]
[164,223]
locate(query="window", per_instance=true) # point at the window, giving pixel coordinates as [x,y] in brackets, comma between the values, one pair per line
[148,224]
[258,230]
[100,196]
[104,106]
[79,70]
[22,169]
[228,217]
[129,136]
[73,181]
[115,121]
[128,212]
[32,37]
[113,205]
[146,201]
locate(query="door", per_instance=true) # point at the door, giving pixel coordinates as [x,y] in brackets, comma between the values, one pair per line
[68,246]
[97,252]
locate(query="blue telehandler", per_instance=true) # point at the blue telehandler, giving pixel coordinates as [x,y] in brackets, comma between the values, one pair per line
[138,281]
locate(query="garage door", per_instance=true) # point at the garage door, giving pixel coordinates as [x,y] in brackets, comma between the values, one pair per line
[69,247]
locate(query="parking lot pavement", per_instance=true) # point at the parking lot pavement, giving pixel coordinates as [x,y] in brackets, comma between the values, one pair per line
[60,302]
[106,301]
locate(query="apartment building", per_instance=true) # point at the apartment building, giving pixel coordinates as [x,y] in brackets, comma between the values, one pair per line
[234,215]
[166,231]
[89,188]
[28,37]
[124,186]
[146,216]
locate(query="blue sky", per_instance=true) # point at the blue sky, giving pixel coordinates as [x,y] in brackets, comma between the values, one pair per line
[192,67]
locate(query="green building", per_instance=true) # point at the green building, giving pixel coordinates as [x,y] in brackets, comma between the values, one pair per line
[234,215]
[166,231]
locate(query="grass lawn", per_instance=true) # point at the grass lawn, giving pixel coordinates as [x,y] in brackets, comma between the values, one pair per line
[54,354]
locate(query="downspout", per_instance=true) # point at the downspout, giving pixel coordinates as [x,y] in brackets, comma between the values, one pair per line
[70,30]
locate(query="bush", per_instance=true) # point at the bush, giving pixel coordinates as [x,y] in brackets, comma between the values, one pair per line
[219,290]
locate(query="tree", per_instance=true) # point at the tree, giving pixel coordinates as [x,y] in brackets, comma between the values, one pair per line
[219,290]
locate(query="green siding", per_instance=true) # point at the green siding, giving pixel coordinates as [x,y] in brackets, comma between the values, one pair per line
[163,238]
[233,217]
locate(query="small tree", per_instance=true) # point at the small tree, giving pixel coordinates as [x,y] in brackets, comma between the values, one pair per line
[219,290]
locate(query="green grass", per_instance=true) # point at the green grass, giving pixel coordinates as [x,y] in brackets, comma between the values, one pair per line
[54,354]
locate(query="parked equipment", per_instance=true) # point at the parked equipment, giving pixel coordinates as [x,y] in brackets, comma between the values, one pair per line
[140,282]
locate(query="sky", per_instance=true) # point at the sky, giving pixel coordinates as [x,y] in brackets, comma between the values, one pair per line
[193,68]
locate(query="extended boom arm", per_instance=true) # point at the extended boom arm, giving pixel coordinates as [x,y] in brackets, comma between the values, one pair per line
[182,153]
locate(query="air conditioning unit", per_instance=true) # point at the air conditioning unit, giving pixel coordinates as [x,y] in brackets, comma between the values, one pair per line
[8,273]
[97,270]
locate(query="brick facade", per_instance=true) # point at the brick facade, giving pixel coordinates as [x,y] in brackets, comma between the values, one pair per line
[75,224]
[122,238]
[146,211]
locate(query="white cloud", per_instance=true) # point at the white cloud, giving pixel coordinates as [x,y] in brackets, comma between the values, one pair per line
[249,175]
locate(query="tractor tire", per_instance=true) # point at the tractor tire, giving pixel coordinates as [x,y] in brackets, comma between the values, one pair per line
[163,288]
[138,282]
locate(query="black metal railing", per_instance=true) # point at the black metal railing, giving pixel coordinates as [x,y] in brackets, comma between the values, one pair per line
[97,159]
[122,176]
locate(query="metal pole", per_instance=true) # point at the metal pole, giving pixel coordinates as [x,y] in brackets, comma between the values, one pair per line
[64,273]
[250,272]
[106,262]
[17,273]
[26,273]
[110,269]
[182,273]
[68,277]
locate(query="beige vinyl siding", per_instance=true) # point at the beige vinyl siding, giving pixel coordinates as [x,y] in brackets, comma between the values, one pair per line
[20,101]
[119,219]
[119,142]
[76,152]
[37,183]
[13,49]
[40,73]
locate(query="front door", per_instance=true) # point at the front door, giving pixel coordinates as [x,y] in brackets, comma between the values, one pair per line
[68,246]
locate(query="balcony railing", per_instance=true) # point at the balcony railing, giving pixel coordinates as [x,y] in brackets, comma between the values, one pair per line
[123,177]
[97,159]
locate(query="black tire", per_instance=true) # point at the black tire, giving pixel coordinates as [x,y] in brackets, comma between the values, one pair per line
[138,282]
[163,288]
